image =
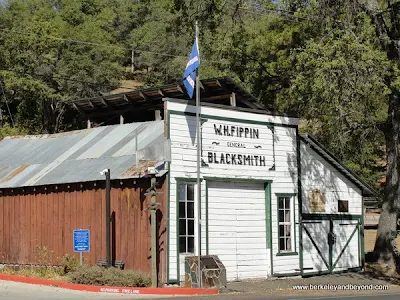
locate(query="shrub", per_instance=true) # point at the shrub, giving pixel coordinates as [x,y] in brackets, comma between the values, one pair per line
[95,275]
[70,263]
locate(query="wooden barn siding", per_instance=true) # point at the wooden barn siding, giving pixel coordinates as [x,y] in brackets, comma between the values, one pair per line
[46,217]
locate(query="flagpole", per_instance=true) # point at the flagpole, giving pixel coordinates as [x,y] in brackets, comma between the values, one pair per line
[198,163]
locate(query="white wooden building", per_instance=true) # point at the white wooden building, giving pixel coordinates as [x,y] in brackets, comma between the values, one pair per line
[273,202]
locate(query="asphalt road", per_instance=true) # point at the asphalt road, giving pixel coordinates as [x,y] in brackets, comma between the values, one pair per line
[392,296]
[21,291]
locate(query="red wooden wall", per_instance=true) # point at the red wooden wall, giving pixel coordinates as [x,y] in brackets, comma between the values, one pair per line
[34,218]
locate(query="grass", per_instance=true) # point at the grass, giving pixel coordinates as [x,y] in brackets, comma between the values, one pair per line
[89,275]
[37,272]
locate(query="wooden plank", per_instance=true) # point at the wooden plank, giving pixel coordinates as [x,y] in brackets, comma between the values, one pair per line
[157,115]
[2,235]
[102,205]
[61,218]
[233,99]
[130,196]
[95,220]
[142,95]
[24,242]
[27,225]
[178,87]
[32,222]
[67,220]
[16,224]
[7,221]
[102,100]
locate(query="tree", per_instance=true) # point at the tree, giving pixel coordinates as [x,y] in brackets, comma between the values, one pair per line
[42,67]
[349,67]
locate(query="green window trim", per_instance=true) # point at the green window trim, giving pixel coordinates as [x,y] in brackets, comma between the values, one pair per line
[294,223]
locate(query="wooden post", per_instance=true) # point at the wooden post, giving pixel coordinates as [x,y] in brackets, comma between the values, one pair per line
[233,99]
[153,232]
[108,218]
[89,124]
[121,119]
[157,115]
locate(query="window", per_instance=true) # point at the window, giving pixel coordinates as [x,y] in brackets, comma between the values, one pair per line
[186,218]
[286,220]
[343,205]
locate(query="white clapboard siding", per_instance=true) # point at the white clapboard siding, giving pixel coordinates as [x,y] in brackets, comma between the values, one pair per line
[182,132]
[243,257]
[317,173]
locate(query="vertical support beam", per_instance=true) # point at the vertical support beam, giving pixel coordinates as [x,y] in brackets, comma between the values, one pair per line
[121,119]
[233,99]
[157,115]
[166,120]
[108,217]
[330,241]
[89,124]
[153,232]
[300,200]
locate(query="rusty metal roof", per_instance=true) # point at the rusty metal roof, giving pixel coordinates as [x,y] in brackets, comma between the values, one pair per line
[79,156]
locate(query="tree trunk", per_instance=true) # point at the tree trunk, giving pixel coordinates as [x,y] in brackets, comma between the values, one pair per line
[387,228]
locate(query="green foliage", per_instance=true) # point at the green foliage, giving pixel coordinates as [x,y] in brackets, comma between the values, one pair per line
[70,263]
[7,130]
[320,59]
[41,69]
[95,275]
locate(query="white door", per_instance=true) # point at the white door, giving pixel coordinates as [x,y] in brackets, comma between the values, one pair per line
[315,246]
[346,249]
[237,229]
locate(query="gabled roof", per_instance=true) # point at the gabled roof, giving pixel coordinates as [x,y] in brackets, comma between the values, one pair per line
[366,189]
[79,156]
[214,90]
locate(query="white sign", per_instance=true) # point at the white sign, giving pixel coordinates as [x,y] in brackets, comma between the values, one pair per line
[237,144]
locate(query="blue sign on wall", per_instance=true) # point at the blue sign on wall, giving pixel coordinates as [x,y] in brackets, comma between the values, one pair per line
[82,240]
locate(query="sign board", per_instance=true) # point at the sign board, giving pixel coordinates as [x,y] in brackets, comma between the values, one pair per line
[81,240]
[244,145]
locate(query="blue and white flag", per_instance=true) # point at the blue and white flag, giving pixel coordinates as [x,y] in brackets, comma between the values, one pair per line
[189,76]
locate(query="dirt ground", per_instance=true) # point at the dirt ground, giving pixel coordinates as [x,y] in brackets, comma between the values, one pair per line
[370,237]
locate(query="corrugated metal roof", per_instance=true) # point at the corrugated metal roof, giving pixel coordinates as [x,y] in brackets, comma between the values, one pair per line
[79,156]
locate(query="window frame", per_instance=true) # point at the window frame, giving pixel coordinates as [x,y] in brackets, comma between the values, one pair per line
[347,206]
[187,235]
[292,223]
